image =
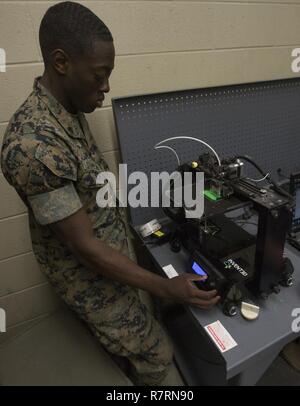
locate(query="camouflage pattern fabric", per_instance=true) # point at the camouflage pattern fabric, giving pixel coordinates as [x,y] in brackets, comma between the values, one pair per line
[50,157]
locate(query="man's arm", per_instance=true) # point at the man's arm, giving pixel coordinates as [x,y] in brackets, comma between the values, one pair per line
[49,187]
[76,232]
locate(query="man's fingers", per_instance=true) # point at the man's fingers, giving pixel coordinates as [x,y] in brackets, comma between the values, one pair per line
[204,304]
[215,300]
[195,278]
[195,296]
[200,293]
[205,294]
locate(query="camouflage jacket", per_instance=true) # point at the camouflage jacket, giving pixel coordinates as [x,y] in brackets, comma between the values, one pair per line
[50,157]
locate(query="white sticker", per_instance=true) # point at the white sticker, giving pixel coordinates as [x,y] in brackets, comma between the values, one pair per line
[170,271]
[220,336]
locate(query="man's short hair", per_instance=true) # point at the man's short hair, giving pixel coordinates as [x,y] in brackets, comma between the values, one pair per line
[72,27]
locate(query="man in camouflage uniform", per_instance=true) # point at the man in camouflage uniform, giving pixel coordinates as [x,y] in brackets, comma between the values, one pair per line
[50,157]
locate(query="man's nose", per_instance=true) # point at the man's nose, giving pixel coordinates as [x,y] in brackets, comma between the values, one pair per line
[105,88]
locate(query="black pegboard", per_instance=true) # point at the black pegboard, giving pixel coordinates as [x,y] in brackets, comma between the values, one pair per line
[258,119]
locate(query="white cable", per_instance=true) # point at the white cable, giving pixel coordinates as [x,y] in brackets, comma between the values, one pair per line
[259,180]
[190,138]
[173,150]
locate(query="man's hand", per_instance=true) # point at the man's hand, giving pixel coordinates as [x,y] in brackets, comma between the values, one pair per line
[182,289]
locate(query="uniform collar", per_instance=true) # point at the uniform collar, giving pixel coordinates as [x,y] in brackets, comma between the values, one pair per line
[67,120]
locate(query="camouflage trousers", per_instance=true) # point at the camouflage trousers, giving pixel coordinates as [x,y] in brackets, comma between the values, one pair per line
[119,319]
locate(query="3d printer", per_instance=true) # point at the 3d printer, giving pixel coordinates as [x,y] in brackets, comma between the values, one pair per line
[232,259]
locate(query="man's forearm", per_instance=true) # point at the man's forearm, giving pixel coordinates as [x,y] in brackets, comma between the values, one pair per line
[103,259]
[76,232]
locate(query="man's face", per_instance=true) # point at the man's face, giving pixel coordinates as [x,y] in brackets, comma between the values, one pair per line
[88,77]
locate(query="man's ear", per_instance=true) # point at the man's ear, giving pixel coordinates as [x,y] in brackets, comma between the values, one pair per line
[60,61]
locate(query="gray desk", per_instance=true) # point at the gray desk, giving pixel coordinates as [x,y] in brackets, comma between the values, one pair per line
[259,341]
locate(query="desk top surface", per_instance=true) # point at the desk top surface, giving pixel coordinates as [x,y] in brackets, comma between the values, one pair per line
[273,328]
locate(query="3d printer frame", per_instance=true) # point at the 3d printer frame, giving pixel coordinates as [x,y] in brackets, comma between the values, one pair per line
[232,259]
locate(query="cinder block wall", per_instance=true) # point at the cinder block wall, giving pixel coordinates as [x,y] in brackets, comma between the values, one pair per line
[160,45]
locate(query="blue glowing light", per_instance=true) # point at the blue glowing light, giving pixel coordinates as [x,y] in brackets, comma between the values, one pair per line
[198,270]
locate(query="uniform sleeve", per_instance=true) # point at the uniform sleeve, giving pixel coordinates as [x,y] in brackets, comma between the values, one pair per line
[50,189]
[46,181]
